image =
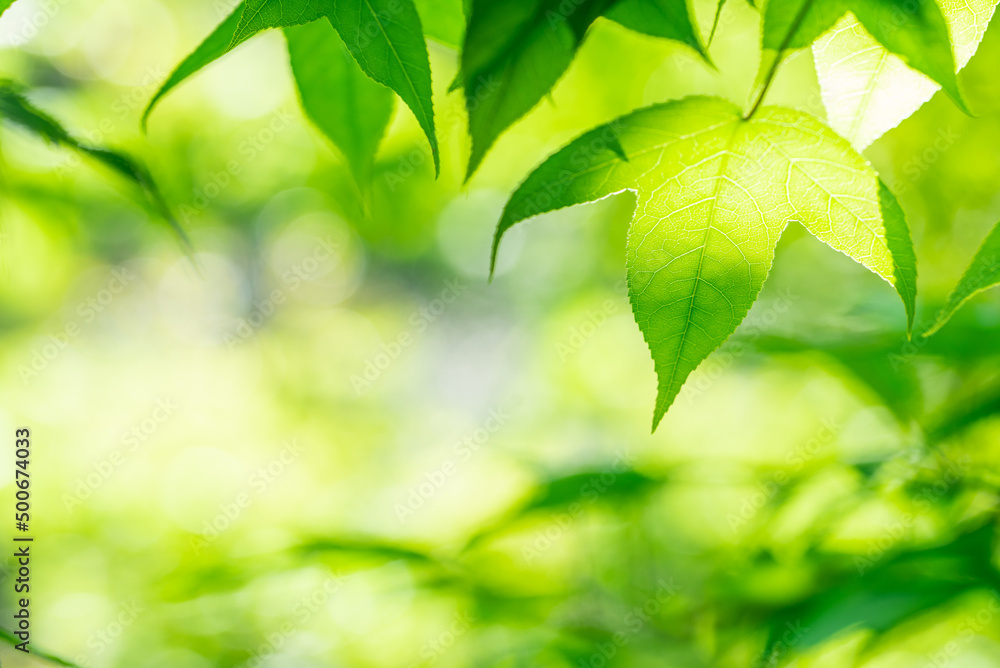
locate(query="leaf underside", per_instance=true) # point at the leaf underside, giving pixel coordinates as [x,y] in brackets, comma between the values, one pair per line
[713,194]
[867,90]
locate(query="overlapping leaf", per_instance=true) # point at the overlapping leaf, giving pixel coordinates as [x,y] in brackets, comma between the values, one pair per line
[516,50]
[713,194]
[356,118]
[867,90]
[983,273]
[914,30]
[387,40]
[384,37]
[17,109]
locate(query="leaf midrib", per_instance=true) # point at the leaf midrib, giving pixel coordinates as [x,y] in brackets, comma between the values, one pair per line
[723,164]
[402,66]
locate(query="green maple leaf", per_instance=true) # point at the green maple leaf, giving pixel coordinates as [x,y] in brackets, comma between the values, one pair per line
[387,40]
[983,273]
[867,90]
[515,51]
[384,37]
[354,120]
[714,191]
[914,30]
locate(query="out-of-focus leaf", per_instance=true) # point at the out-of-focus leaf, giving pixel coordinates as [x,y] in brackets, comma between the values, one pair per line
[962,415]
[715,192]
[17,109]
[515,52]
[444,20]
[915,31]
[867,90]
[871,362]
[889,591]
[584,488]
[367,548]
[983,273]
[350,108]
[12,640]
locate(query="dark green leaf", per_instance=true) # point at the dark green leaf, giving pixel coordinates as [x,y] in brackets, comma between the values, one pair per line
[670,19]
[386,38]
[342,101]
[516,51]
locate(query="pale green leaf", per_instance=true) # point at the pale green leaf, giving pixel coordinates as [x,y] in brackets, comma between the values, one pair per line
[915,30]
[713,194]
[342,101]
[867,90]
[983,273]
[387,40]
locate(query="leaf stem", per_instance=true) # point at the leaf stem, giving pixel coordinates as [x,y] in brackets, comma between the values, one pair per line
[773,69]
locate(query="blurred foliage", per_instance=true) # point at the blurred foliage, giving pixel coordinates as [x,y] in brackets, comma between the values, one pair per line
[335,444]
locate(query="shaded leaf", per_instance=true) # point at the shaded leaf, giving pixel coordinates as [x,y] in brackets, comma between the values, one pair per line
[354,119]
[714,193]
[889,591]
[516,51]
[982,274]
[386,38]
